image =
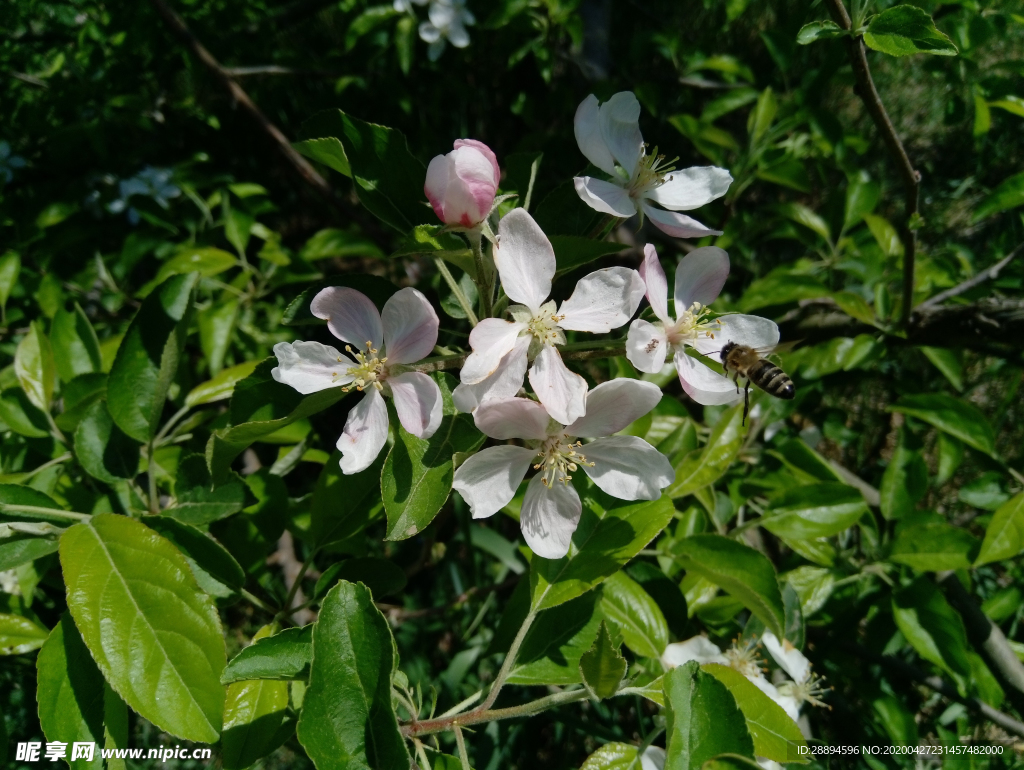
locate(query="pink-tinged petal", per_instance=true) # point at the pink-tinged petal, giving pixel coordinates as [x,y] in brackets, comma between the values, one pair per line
[418,403]
[505,382]
[310,366]
[691,188]
[653,275]
[620,128]
[700,277]
[627,467]
[704,385]
[698,648]
[677,225]
[562,392]
[646,346]
[512,418]
[787,656]
[350,316]
[587,127]
[489,479]
[484,150]
[604,300]
[604,196]
[410,327]
[548,518]
[436,186]
[750,330]
[491,340]
[366,432]
[461,184]
[525,259]
[613,405]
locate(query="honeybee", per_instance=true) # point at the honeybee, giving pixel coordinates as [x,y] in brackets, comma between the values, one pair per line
[748,362]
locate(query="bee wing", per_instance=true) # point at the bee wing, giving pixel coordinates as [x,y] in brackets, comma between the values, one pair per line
[782,347]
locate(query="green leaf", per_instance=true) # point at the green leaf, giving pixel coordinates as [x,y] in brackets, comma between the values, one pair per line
[147,359]
[905,30]
[79,396]
[702,719]
[702,467]
[775,735]
[885,235]
[806,464]
[333,243]
[636,615]
[417,476]
[328,151]
[781,288]
[70,691]
[1004,537]
[21,416]
[947,362]
[802,215]
[1008,195]
[343,505]
[207,261]
[221,386]
[855,306]
[215,570]
[16,550]
[35,367]
[253,713]
[561,212]
[934,547]
[216,324]
[198,501]
[741,571]
[388,178]
[813,510]
[932,627]
[762,116]
[602,667]
[554,646]
[905,480]
[572,251]
[613,756]
[10,266]
[284,656]
[819,30]
[19,635]
[103,449]
[813,586]
[610,533]
[431,241]
[951,415]
[731,762]
[153,633]
[1012,104]
[76,349]
[347,718]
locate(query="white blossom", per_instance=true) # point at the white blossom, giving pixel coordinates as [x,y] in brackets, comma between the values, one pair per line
[805,687]
[609,136]
[699,279]
[379,345]
[448,20]
[602,301]
[625,467]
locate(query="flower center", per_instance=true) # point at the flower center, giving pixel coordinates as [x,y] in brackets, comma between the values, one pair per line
[559,457]
[809,691]
[650,173]
[691,324]
[369,370]
[543,326]
[744,657]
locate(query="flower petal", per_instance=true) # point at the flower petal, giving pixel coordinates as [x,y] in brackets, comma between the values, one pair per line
[703,384]
[613,405]
[750,330]
[410,327]
[504,382]
[484,150]
[604,300]
[700,277]
[490,339]
[604,196]
[698,648]
[562,392]
[366,432]
[627,467]
[691,188]
[653,758]
[350,316]
[677,225]
[310,366]
[654,279]
[525,259]
[439,170]
[512,418]
[787,656]
[418,403]
[549,517]
[489,479]
[587,127]
[620,128]
[646,346]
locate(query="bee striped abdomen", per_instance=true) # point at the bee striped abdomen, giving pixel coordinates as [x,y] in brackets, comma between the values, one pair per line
[771,379]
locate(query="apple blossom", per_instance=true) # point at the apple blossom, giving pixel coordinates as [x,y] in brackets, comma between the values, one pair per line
[699,279]
[448,22]
[609,136]
[625,467]
[461,185]
[653,758]
[602,301]
[805,687]
[380,344]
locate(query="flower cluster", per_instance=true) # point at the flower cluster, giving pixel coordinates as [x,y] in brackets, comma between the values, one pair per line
[447,22]
[563,427]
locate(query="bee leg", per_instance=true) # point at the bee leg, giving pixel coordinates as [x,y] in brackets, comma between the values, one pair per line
[746,402]
[736,379]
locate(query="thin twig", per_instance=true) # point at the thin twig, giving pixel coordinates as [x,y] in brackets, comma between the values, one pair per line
[427,726]
[988,274]
[274,69]
[40,512]
[911,177]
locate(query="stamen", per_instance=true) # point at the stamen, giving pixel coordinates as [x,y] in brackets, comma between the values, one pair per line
[810,690]
[369,370]
[559,458]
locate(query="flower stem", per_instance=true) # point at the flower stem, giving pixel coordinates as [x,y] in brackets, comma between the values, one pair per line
[477,716]
[463,757]
[40,512]
[484,280]
[460,297]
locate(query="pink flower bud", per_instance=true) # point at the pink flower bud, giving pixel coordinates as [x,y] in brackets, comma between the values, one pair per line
[461,184]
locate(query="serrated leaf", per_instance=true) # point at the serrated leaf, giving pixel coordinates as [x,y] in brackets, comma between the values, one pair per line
[954,416]
[284,656]
[554,646]
[813,510]
[1004,536]
[602,667]
[934,548]
[214,568]
[626,605]
[702,467]
[932,627]
[153,633]
[103,449]
[904,30]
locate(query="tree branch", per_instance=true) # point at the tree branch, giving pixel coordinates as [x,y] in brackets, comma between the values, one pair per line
[989,274]
[911,177]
